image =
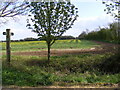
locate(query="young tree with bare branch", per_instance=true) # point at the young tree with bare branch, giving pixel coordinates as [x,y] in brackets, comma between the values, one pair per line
[51,19]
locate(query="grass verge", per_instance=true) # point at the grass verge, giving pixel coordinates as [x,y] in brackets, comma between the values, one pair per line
[62,70]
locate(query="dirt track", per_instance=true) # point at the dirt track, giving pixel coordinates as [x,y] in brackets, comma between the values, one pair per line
[105,47]
[58,52]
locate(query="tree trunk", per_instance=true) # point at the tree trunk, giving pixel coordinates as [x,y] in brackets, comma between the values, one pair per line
[48,53]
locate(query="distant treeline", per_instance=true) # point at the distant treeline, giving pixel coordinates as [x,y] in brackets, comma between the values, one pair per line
[41,39]
[110,34]
[61,38]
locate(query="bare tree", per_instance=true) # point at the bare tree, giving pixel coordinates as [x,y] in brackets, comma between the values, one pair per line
[12,9]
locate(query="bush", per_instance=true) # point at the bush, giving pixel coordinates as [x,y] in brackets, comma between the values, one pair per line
[111,64]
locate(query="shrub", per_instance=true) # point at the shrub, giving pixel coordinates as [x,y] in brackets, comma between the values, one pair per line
[111,64]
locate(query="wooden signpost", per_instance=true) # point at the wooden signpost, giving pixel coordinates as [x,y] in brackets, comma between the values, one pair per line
[8,52]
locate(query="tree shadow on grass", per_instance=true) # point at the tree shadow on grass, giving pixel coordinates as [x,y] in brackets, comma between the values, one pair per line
[37,62]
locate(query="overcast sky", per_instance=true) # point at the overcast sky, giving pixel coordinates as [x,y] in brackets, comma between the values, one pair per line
[91,16]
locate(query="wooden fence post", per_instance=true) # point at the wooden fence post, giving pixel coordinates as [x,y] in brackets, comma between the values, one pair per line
[8,51]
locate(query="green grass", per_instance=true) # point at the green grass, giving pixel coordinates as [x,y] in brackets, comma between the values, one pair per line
[62,70]
[41,45]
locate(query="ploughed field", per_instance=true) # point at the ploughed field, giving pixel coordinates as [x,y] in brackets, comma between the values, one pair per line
[60,47]
[73,63]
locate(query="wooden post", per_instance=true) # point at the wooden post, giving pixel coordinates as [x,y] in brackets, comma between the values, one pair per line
[8,53]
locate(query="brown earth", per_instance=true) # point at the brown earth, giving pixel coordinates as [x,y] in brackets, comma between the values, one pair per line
[105,47]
